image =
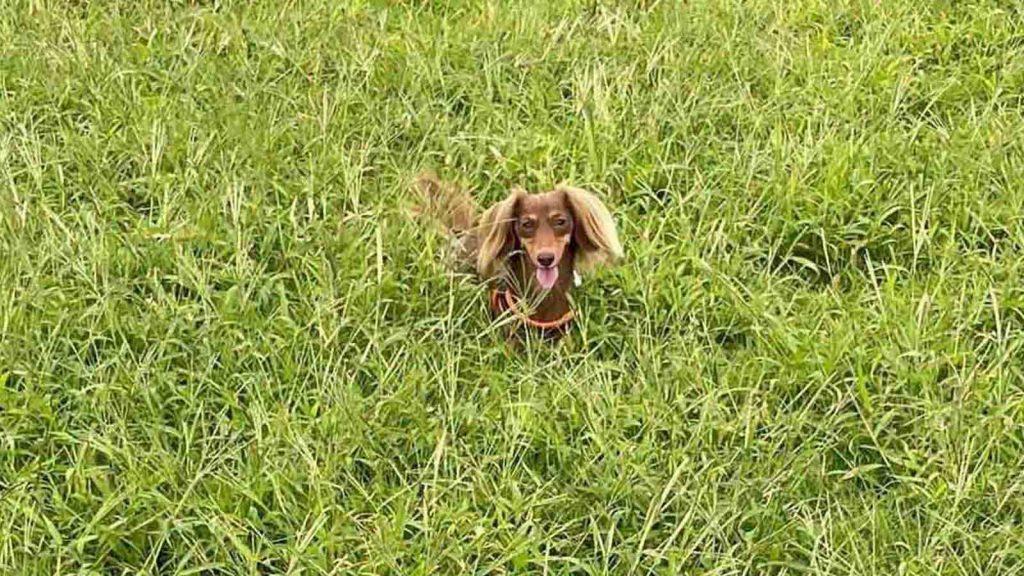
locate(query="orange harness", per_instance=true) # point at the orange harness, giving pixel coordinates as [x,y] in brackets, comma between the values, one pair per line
[503,300]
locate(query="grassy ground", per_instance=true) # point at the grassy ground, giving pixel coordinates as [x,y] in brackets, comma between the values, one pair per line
[225,349]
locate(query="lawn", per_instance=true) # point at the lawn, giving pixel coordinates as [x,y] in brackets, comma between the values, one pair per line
[226,348]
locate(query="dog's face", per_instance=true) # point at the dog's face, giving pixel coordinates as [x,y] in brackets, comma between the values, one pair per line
[547,226]
[544,226]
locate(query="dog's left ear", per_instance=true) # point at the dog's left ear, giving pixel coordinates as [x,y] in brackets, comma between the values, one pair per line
[594,232]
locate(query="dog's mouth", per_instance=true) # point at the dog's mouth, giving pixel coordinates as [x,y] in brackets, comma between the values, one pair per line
[547,277]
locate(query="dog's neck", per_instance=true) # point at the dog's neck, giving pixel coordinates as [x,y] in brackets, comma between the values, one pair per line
[555,303]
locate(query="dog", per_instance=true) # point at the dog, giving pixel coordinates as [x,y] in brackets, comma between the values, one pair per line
[530,247]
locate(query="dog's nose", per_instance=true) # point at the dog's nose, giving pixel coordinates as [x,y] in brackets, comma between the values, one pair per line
[546,259]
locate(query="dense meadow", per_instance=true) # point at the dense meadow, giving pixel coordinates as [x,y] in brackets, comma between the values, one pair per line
[226,348]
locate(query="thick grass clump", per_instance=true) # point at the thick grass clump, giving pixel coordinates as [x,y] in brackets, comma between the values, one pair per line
[225,348]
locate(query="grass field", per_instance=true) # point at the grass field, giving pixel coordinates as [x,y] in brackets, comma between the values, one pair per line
[226,349]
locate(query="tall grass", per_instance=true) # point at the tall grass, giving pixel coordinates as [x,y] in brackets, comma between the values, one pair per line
[225,348]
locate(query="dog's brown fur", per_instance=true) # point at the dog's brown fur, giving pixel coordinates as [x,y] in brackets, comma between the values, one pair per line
[567,229]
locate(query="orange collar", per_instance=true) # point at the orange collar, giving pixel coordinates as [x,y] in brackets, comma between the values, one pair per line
[505,300]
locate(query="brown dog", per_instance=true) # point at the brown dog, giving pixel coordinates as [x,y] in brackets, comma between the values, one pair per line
[530,245]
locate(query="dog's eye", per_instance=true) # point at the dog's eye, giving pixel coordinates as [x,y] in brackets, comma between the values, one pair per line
[528,224]
[561,221]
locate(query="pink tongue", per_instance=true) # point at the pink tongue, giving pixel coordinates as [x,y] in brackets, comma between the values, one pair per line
[547,277]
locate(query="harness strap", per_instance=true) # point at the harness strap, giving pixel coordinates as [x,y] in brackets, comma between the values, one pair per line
[502,300]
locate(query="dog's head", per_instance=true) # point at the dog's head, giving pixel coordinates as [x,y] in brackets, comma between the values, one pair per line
[546,226]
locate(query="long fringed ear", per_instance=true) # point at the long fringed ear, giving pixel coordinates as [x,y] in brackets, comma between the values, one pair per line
[496,237]
[594,231]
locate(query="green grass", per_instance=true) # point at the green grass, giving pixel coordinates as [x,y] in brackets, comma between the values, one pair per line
[224,347]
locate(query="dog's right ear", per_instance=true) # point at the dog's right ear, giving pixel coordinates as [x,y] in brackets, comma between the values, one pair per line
[496,233]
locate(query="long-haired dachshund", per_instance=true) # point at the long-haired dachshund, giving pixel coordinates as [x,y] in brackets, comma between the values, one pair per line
[530,246]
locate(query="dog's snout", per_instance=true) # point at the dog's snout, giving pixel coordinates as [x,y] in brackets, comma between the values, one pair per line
[545,259]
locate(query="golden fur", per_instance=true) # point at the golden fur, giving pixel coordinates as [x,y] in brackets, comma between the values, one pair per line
[596,234]
[494,231]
